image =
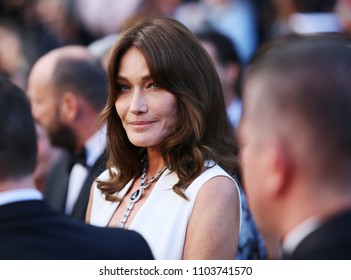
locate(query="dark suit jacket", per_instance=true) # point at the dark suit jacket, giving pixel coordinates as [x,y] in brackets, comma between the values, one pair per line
[331,241]
[56,188]
[31,230]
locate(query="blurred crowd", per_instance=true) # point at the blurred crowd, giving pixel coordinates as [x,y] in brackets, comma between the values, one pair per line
[230,30]
[31,28]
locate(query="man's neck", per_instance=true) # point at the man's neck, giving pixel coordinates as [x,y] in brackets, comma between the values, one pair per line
[16,184]
[86,128]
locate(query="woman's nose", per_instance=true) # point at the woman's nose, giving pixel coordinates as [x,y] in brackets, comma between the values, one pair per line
[138,103]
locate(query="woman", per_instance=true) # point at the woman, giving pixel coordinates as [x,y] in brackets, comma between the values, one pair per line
[171,148]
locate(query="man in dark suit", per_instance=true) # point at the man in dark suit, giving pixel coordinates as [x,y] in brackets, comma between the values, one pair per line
[296,144]
[29,229]
[67,89]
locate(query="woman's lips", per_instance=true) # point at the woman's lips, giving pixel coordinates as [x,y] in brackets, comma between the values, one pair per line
[140,124]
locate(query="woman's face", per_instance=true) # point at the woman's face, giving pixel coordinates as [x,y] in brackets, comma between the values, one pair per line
[148,112]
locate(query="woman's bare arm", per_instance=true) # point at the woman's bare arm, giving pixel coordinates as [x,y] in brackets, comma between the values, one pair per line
[213,230]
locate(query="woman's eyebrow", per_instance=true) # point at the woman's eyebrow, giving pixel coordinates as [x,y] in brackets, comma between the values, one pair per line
[143,78]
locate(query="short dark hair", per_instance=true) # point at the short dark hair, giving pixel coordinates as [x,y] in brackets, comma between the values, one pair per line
[85,77]
[226,52]
[225,49]
[308,83]
[314,6]
[18,142]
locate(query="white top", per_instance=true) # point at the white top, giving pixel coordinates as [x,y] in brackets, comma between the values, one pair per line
[163,218]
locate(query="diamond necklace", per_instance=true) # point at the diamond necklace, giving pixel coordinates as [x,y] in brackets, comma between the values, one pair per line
[134,198]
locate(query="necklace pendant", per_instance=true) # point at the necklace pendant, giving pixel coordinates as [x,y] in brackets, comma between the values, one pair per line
[138,193]
[136,196]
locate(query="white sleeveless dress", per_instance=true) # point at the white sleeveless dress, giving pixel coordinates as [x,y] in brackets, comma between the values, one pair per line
[163,218]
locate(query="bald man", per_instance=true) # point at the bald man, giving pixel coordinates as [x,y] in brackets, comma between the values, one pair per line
[67,89]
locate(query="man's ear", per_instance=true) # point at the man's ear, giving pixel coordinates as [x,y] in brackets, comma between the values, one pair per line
[69,107]
[278,165]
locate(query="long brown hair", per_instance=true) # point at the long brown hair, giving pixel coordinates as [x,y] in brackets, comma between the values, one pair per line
[179,64]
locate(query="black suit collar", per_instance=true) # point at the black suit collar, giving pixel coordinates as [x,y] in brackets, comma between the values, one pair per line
[25,208]
[332,240]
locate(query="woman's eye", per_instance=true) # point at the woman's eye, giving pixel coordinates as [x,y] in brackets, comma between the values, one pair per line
[153,85]
[123,88]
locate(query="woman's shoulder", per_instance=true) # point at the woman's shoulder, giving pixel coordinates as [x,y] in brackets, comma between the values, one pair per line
[221,184]
[215,172]
[218,185]
[214,177]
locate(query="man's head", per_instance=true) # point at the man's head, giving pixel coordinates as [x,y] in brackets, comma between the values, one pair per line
[65,86]
[296,129]
[226,59]
[18,148]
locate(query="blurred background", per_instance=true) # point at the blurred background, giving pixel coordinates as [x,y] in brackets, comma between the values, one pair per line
[30,28]
[231,31]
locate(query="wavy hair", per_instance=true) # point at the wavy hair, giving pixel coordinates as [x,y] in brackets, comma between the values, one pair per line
[178,63]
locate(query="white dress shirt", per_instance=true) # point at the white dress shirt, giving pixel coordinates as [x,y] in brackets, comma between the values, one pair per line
[234,112]
[7,197]
[94,148]
[294,237]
